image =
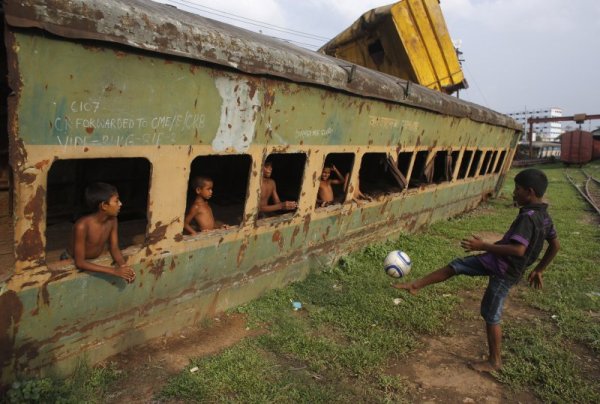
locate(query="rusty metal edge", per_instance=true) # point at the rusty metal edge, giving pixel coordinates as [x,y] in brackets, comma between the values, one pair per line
[167,30]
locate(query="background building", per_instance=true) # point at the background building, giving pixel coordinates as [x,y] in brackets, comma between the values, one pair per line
[547,131]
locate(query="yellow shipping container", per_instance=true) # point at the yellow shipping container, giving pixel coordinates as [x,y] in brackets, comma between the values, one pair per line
[408,39]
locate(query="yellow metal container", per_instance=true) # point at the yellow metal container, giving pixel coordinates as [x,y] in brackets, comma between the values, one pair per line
[408,39]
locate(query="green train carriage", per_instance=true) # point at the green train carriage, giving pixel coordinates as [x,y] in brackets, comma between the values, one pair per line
[146,96]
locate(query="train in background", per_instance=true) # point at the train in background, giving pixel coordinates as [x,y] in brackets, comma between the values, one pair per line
[579,146]
[145,96]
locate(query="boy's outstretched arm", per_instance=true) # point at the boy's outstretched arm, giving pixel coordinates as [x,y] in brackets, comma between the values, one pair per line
[124,272]
[340,178]
[477,244]
[535,277]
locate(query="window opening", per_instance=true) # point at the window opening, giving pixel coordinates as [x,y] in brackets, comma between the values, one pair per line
[464,164]
[217,192]
[65,199]
[492,161]
[500,162]
[404,159]
[281,184]
[454,161]
[418,175]
[486,161]
[379,176]
[442,167]
[333,182]
[475,163]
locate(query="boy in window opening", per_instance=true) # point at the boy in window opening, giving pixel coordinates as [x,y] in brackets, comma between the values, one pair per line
[268,193]
[200,212]
[92,232]
[505,261]
[325,196]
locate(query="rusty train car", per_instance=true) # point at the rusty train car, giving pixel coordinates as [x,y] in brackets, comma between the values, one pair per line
[578,147]
[145,96]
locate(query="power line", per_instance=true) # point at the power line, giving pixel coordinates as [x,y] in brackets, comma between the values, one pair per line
[487,104]
[248,21]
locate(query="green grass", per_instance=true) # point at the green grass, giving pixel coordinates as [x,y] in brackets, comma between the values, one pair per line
[350,330]
[86,384]
[339,347]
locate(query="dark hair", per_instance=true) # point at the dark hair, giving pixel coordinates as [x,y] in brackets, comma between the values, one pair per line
[268,161]
[200,182]
[97,193]
[534,179]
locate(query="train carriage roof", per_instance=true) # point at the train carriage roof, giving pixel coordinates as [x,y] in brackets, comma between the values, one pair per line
[165,29]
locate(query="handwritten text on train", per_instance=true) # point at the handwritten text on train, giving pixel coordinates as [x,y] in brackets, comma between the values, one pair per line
[161,129]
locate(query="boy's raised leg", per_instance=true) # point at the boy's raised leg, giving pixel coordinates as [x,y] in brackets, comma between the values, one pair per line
[440,275]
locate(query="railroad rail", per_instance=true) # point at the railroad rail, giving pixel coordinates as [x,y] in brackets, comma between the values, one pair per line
[587,185]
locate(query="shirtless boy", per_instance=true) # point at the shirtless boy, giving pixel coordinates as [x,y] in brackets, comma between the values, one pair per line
[325,196]
[92,232]
[268,193]
[200,212]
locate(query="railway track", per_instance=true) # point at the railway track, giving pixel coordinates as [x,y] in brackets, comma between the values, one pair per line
[587,185]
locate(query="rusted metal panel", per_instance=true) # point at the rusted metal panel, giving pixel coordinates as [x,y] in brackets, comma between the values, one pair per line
[163,29]
[576,147]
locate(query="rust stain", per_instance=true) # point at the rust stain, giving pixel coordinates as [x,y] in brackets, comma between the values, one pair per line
[89,130]
[43,295]
[10,316]
[31,246]
[306,226]
[41,164]
[242,251]
[157,267]
[294,234]
[268,98]
[18,151]
[278,238]
[27,178]
[253,86]
[157,234]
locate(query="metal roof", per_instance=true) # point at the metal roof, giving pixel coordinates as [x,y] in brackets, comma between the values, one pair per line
[164,29]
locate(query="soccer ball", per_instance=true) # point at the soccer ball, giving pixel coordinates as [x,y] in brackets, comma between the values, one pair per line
[397,264]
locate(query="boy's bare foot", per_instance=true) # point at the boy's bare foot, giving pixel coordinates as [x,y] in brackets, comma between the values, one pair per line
[409,287]
[485,366]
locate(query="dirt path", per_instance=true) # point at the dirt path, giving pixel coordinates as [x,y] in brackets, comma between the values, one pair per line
[148,368]
[439,371]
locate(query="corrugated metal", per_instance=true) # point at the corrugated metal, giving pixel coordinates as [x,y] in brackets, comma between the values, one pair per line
[164,29]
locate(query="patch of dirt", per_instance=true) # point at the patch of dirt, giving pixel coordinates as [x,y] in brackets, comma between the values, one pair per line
[439,371]
[436,373]
[147,368]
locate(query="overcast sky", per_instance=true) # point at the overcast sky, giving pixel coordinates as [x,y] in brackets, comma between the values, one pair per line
[518,53]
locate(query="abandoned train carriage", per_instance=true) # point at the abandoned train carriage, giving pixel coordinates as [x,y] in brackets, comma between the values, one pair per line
[145,96]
